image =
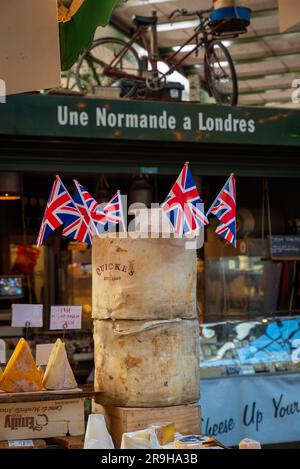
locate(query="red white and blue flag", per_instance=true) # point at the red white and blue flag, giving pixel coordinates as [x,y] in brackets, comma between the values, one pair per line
[110,215]
[60,210]
[81,228]
[224,208]
[87,206]
[183,205]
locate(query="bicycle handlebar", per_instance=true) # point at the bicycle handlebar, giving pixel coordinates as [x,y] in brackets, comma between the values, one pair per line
[184,12]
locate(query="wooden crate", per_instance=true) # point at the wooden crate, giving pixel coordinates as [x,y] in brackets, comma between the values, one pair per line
[31,420]
[187,419]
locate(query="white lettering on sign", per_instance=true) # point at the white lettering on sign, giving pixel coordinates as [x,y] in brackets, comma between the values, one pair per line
[228,125]
[42,353]
[20,443]
[65,317]
[27,315]
[74,118]
[163,120]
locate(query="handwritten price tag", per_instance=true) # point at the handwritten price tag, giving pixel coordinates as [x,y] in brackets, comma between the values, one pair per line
[65,317]
[27,315]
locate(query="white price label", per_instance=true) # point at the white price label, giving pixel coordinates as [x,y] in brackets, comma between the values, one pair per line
[65,317]
[20,443]
[2,351]
[43,353]
[27,315]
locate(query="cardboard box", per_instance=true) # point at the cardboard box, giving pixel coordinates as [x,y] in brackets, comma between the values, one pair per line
[289,15]
[119,420]
[42,419]
[29,45]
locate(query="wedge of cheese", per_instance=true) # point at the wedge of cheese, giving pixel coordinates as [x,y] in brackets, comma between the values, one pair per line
[165,432]
[59,374]
[21,373]
[1,372]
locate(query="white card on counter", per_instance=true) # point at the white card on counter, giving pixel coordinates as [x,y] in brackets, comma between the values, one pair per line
[2,351]
[27,315]
[65,317]
[20,443]
[42,353]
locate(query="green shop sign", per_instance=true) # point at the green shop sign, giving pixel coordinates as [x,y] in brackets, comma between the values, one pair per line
[73,117]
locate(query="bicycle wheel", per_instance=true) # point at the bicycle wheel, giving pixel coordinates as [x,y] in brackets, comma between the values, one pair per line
[92,62]
[220,74]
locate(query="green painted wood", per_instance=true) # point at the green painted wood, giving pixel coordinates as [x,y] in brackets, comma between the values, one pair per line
[73,117]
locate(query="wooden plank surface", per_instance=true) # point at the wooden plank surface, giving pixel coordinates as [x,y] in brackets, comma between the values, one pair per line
[83,392]
[187,419]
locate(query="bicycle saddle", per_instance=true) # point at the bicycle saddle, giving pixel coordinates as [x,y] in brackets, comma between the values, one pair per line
[144,20]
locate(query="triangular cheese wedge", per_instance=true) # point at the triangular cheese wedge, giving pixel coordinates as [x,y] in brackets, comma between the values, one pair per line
[59,374]
[21,373]
[1,373]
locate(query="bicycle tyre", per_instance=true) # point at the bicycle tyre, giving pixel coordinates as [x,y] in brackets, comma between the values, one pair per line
[225,99]
[87,55]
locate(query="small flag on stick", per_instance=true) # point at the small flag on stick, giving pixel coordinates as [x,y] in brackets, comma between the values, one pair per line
[183,205]
[224,208]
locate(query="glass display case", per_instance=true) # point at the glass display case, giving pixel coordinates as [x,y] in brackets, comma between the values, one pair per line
[238,347]
[241,287]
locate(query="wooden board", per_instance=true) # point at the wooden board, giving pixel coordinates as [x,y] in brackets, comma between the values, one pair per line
[187,419]
[42,419]
[83,392]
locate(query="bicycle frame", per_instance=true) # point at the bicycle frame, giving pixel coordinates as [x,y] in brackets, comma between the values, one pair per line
[111,70]
[174,61]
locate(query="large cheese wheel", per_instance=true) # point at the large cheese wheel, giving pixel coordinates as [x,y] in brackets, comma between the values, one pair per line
[140,278]
[147,363]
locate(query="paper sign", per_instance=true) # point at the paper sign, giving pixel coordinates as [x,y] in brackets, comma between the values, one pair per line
[2,351]
[65,317]
[18,443]
[43,353]
[27,315]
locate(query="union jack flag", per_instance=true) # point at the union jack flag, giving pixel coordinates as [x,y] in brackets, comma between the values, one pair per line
[224,208]
[183,205]
[82,227]
[110,215]
[87,206]
[60,209]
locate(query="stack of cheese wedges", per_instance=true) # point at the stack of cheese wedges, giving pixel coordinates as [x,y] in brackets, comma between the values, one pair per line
[22,375]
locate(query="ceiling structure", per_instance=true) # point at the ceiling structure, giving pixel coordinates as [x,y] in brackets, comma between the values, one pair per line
[267,62]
